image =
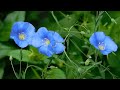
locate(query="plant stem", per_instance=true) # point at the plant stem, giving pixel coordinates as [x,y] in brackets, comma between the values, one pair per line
[55,18]
[62,13]
[70,59]
[79,48]
[69,31]
[45,70]
[96,55]
[97,20]
[95,64]
[114,76]
[108,14]
[30,66]
[14,70]
[36,73]
[20,63]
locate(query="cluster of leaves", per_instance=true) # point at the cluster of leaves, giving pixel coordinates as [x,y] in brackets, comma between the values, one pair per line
[80,60]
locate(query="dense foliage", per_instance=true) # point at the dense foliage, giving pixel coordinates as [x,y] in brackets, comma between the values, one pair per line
[60,45]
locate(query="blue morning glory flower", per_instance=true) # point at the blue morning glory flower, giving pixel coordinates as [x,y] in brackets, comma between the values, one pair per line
[48,42]
[103,43]
[21,33]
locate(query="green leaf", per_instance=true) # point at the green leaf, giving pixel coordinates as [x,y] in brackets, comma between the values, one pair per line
[30,74]
[87,23]
[27,56]
[2,65]
[114,60]
[36,73]
[15,16]
[59,62]
[65,24]
[115,31]
[16,54]
[71,70]
[68,21]
[1,24]
[4,50]
[8,22]
[114,14]
[55,73]
[91,50]
[35,55]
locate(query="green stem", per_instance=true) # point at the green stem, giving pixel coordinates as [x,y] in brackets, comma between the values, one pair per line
[69,30]
[55,18]
[89,69]
[83,27]
[36,73]
[97,20]
[45,70]
[62,13]
[102,66]
[28,67]
[79,48]
[20,63]
[96,55]
[14,70]
[25,71]
[114,76]
[113,20]
[108,15]
[70,59]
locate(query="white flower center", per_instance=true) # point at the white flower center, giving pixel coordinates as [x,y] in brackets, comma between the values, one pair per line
[21,36]
[47,41]
[101,46]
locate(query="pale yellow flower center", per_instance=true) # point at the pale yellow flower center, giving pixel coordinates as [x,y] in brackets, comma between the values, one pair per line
[47,42]
[101,47]
[21,36]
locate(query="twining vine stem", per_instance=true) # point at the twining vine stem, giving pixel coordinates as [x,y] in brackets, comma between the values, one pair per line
[13,67]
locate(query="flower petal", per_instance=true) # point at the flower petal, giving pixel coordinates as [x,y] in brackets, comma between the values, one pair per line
[93,41]
[29,31]
[20,26]
[100,36]
[97,38]
[50,36]
[58,48]
[110,44]
[56,37]
[28,28]
[104,52]
[45,50]
[14,30]
[21,43]
[36,41]
[42,32]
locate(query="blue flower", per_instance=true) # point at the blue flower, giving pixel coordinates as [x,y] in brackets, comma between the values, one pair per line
[48,42]
[103,43]
[21,33]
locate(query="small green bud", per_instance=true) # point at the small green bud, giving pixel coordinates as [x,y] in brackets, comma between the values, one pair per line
[113,20]
[10,58]
[87,62]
